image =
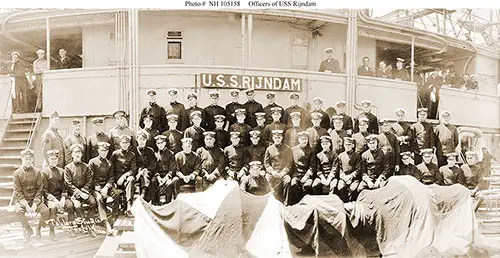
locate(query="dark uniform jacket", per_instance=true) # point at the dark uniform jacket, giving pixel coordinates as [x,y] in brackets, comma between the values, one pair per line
[347,163]
[453,175]
[211,158]
[146,158]
[28,184]
[405,135]
[116,132]
[304,160]
[251,108]
[255,153]
[188,163]
[330,65]
[278,158]
[174,140]
[255,185]
[325,119]
[78,177]
[92,144]
[211,111]
[244,129]
[269,118]
[178,109]
[291,136]
[314,137]
[123,162]
[429,174]
[365,71]
[53,182]
[473,175]
[424,136]
[159,116]
[203,116]
[264,138]
[74,139]
[151,142]
[221,138]
[374,164]
[230,108]
[273,126]
[195,133]
[102,172]
[347,122]
[446,139]
[165,164]
[325,161]
[372,123]
[409,170]
[360,142]
[338,140]
[52,140]
[235,157]
[388,143]
[65,63]
[401,74]
[387,73]
[303,117]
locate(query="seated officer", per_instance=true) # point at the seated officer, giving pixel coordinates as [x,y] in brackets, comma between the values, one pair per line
[360,136]
[256,150]
[195,131]
[104,180]
[124,162]
[473,177]
[292,134]
[328,178]
[188,168]
[161,181]
[429,172]
[276,124]
[221,135]
[28,189]
[172,135]
[256,182]
[278,162]
[316,131]
[146,164]
[348,166]
[235,157]
[338,134]
[54,191]
[407,167]
[78,179]
[260,118]
[452,174]
[212,161]
[303,171]
[374,165]
[241,127]
[389,144]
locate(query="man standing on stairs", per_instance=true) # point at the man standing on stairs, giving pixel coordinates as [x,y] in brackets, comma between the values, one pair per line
[17,70]
[52,140]
[28,189]
[75,138]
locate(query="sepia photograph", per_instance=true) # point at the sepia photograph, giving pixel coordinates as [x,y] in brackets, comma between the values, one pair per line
[249,129]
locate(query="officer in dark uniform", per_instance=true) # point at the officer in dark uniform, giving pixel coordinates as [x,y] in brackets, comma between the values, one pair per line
[192,98]
[316,131]
[278,162]
[146,164]
[365,69]
[156,112]
[388,142]
[400,73]
[52,140]
[446,138]
[276,123]
[161,183]
[329,65]
[221,135]
[177,109]
[338,134]
[152,133]
[372,119]
[124,162]
[348,166]
[346,119]
[424,134]
[403,131]
[252,107]
[294,107]
[103,184]
[75,138]
[407,168]
[195,132]
[260,118]
[474,181]
[173,136]
[241,127]
[188,168]
[78,180]
[97,137]
[374,165]
[317,108]
[360,136]
[120,129]
[231,107]
[303,171]
[214,109]
[271,97]
[428,171]
[212,161]
[452,174]
[256,182]
[256,150]
[235,157]
[28,194]
[327,178]
[292,134]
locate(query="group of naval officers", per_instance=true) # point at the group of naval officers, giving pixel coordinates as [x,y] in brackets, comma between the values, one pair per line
[289,151]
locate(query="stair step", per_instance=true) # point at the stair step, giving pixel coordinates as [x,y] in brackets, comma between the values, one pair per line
[6,179]
[21,122]
[20,144]
[25,115]
[4,201]
[10,139]
[6,190]
[10,151]
[18,130]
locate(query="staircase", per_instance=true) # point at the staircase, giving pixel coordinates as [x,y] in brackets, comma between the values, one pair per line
[18,135]
[488,215]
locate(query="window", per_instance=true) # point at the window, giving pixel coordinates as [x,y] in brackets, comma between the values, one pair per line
[174,45]
[112,49]
[300,44]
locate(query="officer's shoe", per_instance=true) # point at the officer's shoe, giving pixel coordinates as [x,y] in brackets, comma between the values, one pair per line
[52,233]
[38,232]
[27,234]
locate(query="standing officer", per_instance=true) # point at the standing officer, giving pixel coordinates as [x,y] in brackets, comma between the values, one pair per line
[52,140]
[303,171]
[17,70]
[329,65]
[97,137]
[278,162]
[192,98]
[120,129]
[360,136]
[256,150]
[75,138]
[188,168]
[172,135]
[446,138]
[177,109]
[292,134]
[276,123]
[221,135]
[157,113]
[231,107]
[428,171]
[389,145]
[40,66]
[124,162]
[348,166]
[252,107]
[316,131]
[212,161]
[338,134]
[424,134]
[146,164]
[271,98]
[374,165]
[372,119]
[195,132]
[235,157]
[346,119]
[260,118]
[161,182]
[400,73]
[317,108]
[403,131]
[241,127]
[295,99]
[28,193]
[152,133]
[213,110]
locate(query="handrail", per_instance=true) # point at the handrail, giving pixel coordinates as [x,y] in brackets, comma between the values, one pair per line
[7,105]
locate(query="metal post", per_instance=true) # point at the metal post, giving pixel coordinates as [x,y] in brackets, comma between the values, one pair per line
[250,28]
[412,64]
[243,40]
[351,75]
[47,40]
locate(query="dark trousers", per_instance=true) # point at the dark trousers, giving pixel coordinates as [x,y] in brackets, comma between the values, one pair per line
[294,190]
[442,160]
[68,207]
[41,208]
[156,191]
[349,192]
[128,186]
[102,202]
[177,182]
[21,102]
[277,185]
[91,208]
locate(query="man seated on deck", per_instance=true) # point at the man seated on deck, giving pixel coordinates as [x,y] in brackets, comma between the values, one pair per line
[146,164]
[429,172]
[212,160]
[255,182]
[348,166]
[235,158]
[188,168]
[124,162]
[161,181]
[452,174]
[303,171]
[326,179]
[473,177]
[374,165]
[278,162]
[407,167]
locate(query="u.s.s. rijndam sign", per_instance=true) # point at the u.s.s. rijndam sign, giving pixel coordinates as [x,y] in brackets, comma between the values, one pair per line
[234,81]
